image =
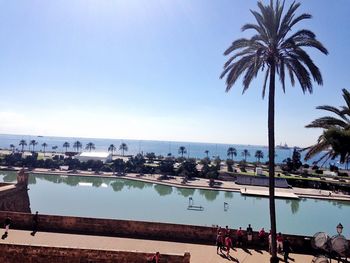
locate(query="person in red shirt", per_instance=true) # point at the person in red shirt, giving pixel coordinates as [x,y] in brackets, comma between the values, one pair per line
[279,239]
[239,237]
[228,244]
[261,236]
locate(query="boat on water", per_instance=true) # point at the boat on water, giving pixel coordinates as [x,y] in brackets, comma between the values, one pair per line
[284,147]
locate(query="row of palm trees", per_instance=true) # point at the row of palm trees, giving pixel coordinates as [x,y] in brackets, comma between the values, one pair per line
[77,146]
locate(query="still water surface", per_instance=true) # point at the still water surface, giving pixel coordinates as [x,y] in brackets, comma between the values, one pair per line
[127,199]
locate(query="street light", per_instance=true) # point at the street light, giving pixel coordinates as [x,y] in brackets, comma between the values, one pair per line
[339,228]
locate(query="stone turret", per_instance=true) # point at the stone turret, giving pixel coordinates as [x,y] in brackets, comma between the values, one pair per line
[22,178]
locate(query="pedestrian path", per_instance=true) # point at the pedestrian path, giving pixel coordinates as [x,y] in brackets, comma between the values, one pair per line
[199,253]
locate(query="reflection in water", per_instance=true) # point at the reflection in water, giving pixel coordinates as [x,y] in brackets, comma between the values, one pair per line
[163,190]
[10,177]
[117,185]
[134,184]
[229,195]
[294,205]
[210,195]
[186,192]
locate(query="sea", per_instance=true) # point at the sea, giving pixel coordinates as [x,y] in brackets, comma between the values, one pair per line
[193,149]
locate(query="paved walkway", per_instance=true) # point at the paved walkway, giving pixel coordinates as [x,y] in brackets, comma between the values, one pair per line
[199,253]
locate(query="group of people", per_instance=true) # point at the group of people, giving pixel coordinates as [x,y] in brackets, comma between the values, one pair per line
[224,240]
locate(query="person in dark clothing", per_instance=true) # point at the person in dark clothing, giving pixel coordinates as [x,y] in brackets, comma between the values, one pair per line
[286,249]
[35,223]
[249,233]
[219,242]
[7,224]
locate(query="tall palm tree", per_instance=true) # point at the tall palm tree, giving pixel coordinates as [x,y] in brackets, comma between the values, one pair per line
[12,147]
[22,143]
[182,150]
[66,145]
[274,48]
[77,145]
[123,147]
[44,145]
[259,155]
[207,153]
[112,148]
[245,154]
[231,151]
[33,143]
[335,137]
[90,146]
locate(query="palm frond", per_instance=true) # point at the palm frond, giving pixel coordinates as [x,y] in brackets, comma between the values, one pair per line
[327,122]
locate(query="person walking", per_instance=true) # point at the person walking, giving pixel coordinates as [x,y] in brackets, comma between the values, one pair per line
[279,239]
[155,258]
[7,224]
[219,242]
[228,244]
[35,223]
[286,249]
[261,237]
[239,237]
[249,234]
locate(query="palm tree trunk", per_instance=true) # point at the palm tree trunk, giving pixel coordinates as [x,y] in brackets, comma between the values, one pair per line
[271,136]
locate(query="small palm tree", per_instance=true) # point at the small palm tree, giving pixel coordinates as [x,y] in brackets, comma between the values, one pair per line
[231,151]
[123,147]
[12,147]
[246,154]
[54,148]
[33,143]
[207,153]
[259,155]
[66,145]
[90,146]
[112,148]
[22,143]
[44,145]
[275,49]
[182,150]
[77,145]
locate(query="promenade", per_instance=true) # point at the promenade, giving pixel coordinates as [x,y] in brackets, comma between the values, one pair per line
[199,253]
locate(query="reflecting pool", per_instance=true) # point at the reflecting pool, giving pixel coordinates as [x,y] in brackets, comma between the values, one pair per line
[134,200]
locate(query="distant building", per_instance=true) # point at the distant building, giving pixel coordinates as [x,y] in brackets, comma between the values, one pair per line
[95,156]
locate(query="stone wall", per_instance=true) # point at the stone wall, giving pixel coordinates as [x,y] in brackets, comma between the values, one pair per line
[134,229]
[39,254]
[15,199]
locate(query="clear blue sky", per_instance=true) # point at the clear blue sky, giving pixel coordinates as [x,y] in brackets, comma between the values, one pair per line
[150,70]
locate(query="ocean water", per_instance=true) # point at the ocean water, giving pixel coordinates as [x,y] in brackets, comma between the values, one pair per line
[194,149]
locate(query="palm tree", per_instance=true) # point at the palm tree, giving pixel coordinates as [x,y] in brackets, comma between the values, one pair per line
[207,153]
[66,145]
[54,148]
[12,147]
[77,145]
[231,151]
[259,155]
[22,143]
[182,150]
[33,143]
[275,48]
[112,148]
[44,145]
[246,154]
[335,137]
[90,146]
[123,147]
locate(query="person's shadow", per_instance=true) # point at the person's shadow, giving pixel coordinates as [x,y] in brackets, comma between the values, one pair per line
[4,236]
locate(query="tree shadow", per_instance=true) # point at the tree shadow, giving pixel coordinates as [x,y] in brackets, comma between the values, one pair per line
[247,251]
[258,251]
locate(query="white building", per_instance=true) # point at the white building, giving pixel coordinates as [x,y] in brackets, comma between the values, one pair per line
[95,156]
